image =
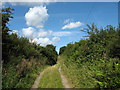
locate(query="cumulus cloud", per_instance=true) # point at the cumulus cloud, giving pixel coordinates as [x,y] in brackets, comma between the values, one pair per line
[41,41]
[31,32]
[43,33]
[45,41]
[27,32]
[40,36]
[36,16]
[72,25]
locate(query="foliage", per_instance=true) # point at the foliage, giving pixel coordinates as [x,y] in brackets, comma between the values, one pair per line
[62,49]
[95,60]
[22,60]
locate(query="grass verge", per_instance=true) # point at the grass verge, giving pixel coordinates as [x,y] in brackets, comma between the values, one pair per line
[51,78]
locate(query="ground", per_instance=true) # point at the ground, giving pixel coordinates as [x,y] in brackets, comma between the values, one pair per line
[52,77]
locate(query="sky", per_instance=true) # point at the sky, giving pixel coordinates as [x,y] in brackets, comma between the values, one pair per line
[59,23]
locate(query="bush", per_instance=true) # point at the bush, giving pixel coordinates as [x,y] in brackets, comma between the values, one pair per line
[99,55]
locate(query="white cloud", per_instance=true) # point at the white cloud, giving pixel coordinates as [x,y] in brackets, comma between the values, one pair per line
[42,41]
[55,39]
[45,41]
[29,2]
[33,40]
[31,32]
[36,16]
[40,37]
[28,31]
[23,3]
[46,2]
[72,25]
[14,32]
[62,33]
[43,33]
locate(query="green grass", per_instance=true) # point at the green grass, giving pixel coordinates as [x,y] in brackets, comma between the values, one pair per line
[51,78]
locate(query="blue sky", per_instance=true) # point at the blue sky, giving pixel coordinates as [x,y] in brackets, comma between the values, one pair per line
[60,23]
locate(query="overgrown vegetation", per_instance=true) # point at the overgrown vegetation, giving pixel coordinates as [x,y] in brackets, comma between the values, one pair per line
[90,63]
[95,61]
[22,60]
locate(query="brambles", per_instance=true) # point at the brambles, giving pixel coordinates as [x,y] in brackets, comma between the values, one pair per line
[94,62]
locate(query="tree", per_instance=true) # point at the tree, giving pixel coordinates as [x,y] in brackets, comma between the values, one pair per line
[6,16]
[62,49]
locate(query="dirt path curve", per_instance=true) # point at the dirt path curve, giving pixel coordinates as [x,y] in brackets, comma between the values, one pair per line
[64,80]
[37,81]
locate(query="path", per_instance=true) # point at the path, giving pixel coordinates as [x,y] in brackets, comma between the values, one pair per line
[64,80]
[51,77]
[36,83]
